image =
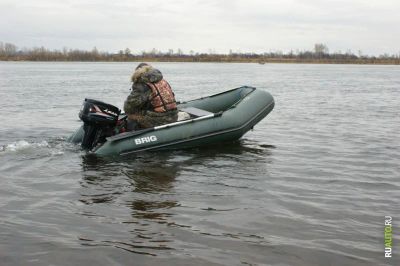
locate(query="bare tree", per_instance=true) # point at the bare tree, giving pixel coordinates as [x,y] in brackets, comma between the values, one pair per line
[320,49]
[10,49]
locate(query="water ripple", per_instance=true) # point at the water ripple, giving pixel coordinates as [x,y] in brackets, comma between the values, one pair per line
[310,185]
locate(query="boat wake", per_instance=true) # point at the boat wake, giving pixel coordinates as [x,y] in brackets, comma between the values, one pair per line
[22,145]
[50,147]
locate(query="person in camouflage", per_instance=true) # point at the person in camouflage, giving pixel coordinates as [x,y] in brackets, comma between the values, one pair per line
[151,101]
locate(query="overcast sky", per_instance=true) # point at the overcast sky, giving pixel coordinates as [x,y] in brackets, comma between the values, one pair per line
[372,26]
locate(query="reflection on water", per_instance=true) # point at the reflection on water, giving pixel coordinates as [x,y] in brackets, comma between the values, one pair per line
[152,179]
[148,189]
[133,195]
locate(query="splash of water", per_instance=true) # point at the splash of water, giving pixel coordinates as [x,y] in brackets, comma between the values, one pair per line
[22,145]
[53,147]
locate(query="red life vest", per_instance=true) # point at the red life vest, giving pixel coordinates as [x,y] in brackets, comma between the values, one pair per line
[162,98]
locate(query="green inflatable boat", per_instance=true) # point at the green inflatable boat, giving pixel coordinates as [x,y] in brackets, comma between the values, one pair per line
[222,117]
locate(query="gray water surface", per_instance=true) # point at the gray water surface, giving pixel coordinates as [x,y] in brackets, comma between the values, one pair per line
[311,185]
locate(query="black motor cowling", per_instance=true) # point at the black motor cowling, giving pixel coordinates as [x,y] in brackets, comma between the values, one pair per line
[99,121]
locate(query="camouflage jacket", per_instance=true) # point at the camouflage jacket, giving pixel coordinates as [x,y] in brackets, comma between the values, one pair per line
[137,101]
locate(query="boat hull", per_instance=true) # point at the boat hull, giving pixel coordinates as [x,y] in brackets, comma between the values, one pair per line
[229,122]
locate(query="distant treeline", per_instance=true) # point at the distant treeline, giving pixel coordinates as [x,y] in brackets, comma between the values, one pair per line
[320,54]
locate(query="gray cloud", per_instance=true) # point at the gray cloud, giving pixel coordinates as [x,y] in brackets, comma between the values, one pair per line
[245,25]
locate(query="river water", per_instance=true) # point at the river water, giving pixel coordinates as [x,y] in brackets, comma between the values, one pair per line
[310,185]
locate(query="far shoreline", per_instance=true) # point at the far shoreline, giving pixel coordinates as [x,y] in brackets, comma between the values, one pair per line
[253,61]
[319,55]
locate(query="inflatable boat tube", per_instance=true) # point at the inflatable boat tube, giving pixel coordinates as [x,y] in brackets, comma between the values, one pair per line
[222,117]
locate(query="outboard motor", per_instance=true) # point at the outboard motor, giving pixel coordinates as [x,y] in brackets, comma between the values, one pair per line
[99,120]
